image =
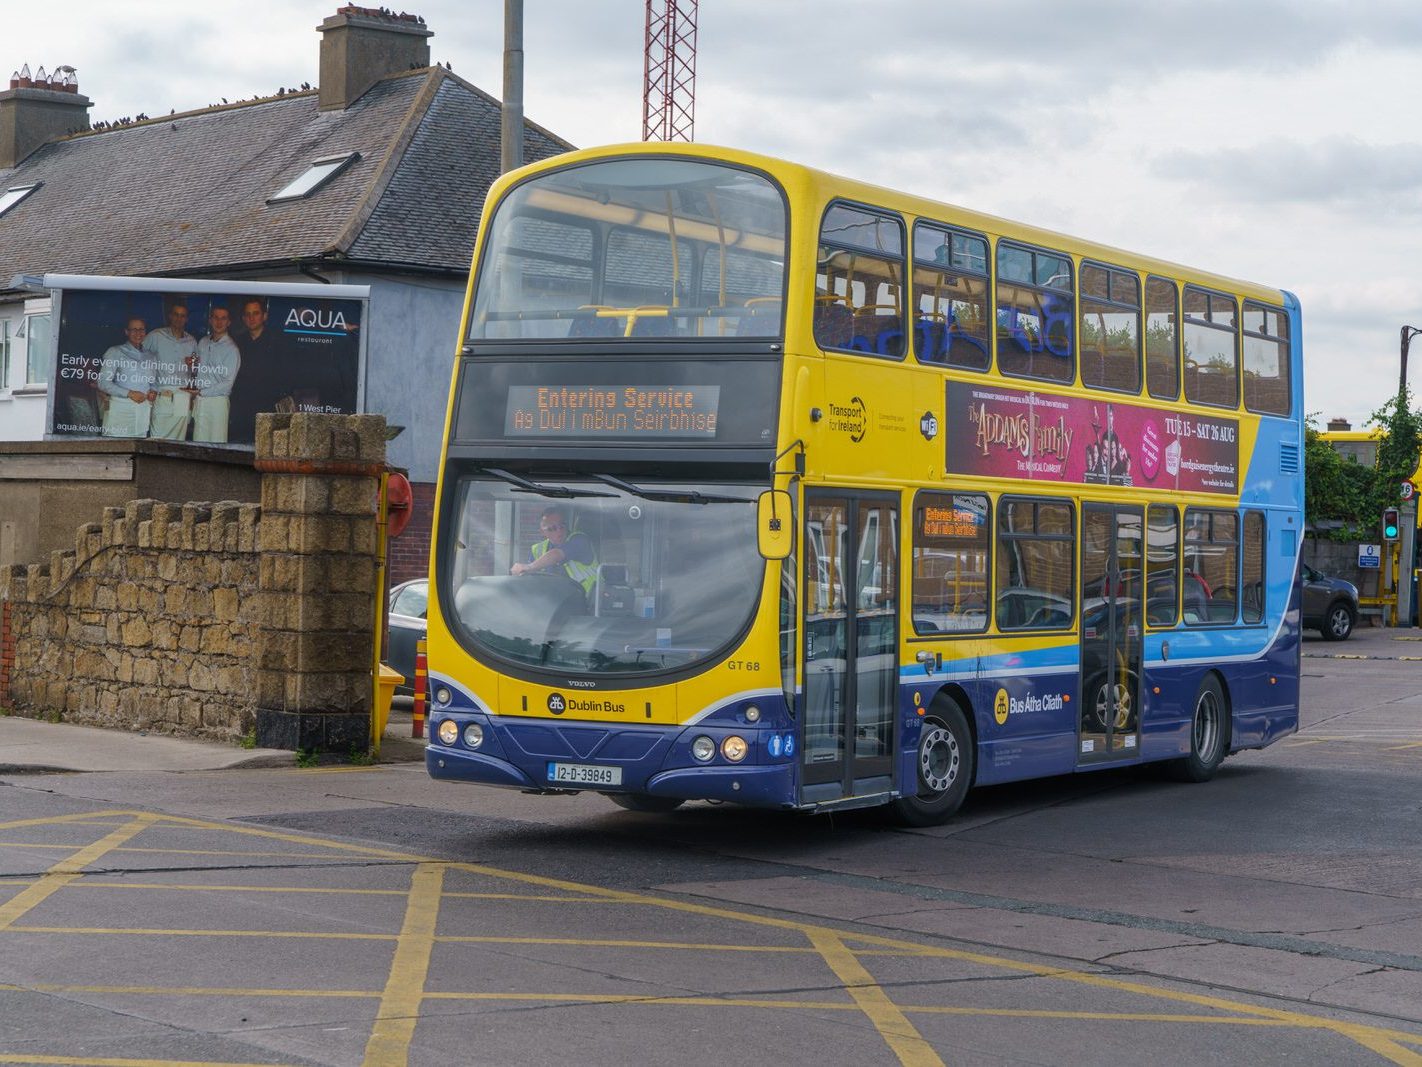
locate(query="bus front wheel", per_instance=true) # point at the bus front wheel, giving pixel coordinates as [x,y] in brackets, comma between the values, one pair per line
[645,802]
[945,769]
[1208,735]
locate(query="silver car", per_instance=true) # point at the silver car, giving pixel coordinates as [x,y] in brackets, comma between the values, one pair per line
[1330,605]
[407,629]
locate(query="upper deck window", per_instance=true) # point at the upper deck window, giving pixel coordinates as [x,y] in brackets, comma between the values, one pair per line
[1034,314]
[1211,348]
[634,248]
[1110,328]
[950,292]
[859,292]
[1162,342]
[1266,360]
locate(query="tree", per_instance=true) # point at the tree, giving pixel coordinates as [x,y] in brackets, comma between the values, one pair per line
[1336,490]
[1397,449]
[1343,500]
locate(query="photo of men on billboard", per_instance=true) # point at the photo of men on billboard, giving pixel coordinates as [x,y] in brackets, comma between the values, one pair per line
[199,366]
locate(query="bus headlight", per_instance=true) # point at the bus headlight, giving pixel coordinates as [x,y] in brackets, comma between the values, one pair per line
[703,748]
[734,748]
[473,735]
[752,714]
[448,732]
[443,696]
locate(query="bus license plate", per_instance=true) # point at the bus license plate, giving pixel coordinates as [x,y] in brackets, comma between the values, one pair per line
[584,774]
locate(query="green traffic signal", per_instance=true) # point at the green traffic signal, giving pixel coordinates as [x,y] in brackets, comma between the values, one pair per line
[1391,524]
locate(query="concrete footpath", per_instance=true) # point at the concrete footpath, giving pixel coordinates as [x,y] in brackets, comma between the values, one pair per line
[33,747]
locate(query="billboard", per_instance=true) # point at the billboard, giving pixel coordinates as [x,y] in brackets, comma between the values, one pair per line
[183,360]
[1013,433]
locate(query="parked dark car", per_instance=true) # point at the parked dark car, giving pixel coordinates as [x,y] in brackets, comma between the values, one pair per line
[408,603]
[1330,605]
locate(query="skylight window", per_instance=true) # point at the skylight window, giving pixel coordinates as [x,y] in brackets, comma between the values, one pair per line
[314,177]
[13,195]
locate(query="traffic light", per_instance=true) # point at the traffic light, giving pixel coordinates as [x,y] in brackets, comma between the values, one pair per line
[1391,523]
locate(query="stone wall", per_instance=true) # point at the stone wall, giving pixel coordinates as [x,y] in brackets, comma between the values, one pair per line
[216,620]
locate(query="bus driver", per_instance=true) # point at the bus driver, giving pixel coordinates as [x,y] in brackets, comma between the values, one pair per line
[574,551]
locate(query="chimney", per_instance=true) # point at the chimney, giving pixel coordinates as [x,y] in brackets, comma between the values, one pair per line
[34,112]
[1339,425]
[361,45]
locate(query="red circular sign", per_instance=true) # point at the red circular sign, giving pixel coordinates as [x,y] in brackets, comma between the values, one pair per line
[399,504]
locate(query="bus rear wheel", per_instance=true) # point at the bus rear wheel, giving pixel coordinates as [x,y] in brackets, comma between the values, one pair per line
[1208,735]
[645,802]
[945,769]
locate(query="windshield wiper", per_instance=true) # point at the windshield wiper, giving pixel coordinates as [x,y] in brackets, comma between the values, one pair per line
[562,492]
[675,496]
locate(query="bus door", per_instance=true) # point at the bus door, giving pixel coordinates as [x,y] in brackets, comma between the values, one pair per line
[850,603]
[1112,631]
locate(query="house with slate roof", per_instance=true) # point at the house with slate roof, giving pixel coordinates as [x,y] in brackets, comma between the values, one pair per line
[397,156]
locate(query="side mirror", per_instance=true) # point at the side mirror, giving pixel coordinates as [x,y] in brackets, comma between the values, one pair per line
[774,524]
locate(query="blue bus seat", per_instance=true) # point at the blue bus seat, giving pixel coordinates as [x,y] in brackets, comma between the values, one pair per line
[833,324]
[930,338]
[1056,325]
[652,325]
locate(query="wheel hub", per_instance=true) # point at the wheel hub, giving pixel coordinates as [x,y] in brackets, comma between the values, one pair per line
[1120,694]
[938,758]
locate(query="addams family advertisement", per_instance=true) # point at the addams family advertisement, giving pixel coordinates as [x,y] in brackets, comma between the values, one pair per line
[1015,434]
[198,364]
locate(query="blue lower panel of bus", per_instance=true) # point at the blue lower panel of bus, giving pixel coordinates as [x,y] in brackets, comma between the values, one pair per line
[1030,722]
[742,784]
[536,754]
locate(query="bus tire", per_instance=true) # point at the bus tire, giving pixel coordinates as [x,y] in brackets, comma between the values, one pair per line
[945,769]
[1209,731]
[645,802]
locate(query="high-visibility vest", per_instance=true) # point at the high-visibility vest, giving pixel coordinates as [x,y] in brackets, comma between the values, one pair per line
[585,574]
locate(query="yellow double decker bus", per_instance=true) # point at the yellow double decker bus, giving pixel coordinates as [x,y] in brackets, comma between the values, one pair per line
[766,486]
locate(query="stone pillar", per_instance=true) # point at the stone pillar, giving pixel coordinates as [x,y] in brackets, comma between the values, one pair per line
[7,652]
[317,579]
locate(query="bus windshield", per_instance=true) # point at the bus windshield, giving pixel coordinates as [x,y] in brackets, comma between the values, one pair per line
[635,248]
[604,580]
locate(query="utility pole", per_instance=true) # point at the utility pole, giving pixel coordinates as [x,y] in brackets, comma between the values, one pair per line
[1407,543]
[511,117]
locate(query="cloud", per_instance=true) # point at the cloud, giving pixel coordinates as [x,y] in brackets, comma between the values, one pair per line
[1341,171]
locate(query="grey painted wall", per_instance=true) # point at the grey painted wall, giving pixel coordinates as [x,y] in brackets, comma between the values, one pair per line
[410,347]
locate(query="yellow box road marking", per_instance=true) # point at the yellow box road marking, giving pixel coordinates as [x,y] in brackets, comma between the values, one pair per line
[389,1044]
[1391,1044]
[153,931]
[67,870]
[893,1026]
[654,1000]
[92,1061]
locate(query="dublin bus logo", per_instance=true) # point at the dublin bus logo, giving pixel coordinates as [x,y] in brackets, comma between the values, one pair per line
[556,704]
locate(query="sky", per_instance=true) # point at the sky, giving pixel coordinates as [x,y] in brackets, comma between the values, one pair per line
[1257,139]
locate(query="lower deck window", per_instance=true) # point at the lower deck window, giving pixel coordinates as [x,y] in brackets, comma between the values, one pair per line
[1211,567]
[951,543]
[1035,541]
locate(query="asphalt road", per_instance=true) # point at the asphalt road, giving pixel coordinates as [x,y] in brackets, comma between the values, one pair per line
[350,915]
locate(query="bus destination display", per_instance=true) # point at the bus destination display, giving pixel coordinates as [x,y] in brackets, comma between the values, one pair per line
[619,412]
